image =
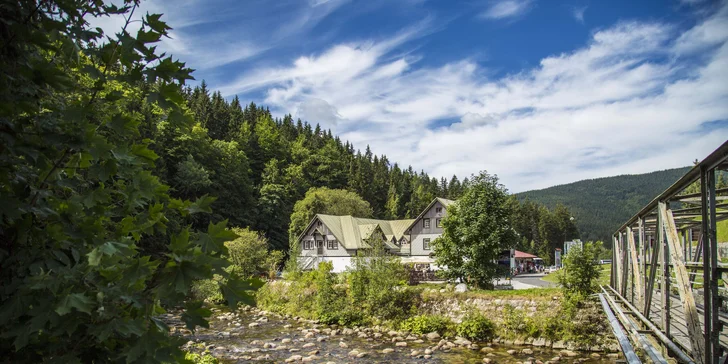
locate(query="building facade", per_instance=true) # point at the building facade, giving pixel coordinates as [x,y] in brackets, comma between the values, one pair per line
[337,239]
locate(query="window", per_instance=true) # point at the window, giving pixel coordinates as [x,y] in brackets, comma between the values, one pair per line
[426,223]
[307,244]
[438,210]
[438,222]
[426,244]
[332,245]
[319,224]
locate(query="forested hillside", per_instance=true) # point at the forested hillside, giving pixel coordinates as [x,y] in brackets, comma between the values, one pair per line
[601,205]
[259,166]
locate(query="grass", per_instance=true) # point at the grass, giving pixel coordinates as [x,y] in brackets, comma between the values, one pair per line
[531,293]
[603,277]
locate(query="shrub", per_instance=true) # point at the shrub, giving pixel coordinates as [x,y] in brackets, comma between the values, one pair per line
[475,326]
[208,290]
[249,252]
[514,322]
[424,324]
[204,358]
[580,275]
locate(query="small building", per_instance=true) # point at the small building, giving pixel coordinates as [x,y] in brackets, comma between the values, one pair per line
[526,263]
[337,239]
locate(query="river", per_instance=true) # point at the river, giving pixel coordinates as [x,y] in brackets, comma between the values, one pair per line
[254,335]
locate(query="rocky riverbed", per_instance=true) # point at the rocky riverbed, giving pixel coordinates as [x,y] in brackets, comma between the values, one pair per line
[254,335]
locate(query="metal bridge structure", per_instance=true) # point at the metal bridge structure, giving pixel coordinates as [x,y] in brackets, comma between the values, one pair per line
[669,283]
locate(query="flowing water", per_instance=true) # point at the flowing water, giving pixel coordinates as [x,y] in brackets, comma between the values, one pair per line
[275,339]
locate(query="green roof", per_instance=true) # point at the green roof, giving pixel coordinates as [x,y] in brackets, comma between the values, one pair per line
[352,231]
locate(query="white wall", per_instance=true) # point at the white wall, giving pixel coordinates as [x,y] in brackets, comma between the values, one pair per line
[417,244]
[340,263]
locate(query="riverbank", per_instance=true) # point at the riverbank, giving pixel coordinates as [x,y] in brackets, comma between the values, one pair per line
[251,334]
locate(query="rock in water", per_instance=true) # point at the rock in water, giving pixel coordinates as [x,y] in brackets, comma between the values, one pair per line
[433,336]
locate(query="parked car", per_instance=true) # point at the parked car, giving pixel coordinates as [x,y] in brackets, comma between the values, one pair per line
[605,261]
[551,269]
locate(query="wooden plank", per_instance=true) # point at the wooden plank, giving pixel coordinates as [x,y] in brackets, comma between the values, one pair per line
[665,274]
[654,254]
[625,263]
[617,263]
[692,320]
[635,265]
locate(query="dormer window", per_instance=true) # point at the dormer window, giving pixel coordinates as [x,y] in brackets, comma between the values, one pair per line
[426,223]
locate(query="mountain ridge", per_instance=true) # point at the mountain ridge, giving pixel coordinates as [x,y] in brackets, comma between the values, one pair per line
[601,205]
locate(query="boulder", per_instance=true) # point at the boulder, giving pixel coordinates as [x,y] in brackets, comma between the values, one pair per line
[343,345]
[511,352]
[433,336]
[461,287]
[401,343]
[293,358]
[527,351]
[387,351]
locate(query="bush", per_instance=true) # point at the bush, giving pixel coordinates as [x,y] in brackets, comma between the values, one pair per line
[424,324]
[249,252]
[580,275]
[204,358]
[475,326]
[208,290]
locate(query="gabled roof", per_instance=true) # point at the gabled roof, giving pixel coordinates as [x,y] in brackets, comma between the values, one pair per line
[443,201]
[352,231]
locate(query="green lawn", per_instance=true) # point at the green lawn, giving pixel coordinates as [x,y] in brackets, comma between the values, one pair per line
[603,278]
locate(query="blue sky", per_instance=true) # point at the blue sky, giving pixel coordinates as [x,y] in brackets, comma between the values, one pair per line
[539,92]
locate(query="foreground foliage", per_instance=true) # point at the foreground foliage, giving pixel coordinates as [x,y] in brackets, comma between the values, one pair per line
[92,245]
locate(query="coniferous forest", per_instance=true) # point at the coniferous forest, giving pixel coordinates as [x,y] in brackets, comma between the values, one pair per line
[259,166]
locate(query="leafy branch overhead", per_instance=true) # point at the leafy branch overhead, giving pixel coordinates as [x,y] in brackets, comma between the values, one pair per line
[92,245]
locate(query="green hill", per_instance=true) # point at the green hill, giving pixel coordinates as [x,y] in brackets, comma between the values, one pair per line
[600,206]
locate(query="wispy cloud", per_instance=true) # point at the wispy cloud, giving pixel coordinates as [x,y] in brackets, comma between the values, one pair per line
[634,99]
[211,33]
[503,9]
[578,13]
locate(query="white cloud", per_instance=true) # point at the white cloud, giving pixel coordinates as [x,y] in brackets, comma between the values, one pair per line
[578,13]
[210,34]
[502,9]
[626,102]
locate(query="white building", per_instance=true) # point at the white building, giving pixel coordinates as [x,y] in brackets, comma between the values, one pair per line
[338,238]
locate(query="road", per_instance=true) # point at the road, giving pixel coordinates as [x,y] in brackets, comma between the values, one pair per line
[524,281]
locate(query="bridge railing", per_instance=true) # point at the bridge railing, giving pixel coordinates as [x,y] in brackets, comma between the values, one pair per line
[666,261]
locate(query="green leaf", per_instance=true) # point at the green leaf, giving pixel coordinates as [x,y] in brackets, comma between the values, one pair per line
[143,151]
[202,204]
[195,315]
[75,300]
[180,242]
[237,290]
[215,238]
[156,24]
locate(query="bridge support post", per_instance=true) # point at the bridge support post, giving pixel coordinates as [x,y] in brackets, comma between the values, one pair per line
[636,284]
[692,320]
[712,325]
